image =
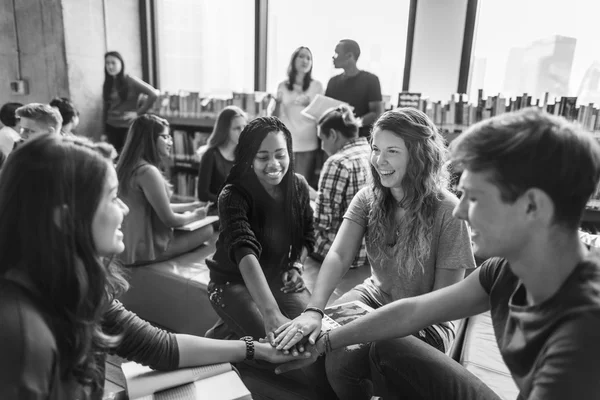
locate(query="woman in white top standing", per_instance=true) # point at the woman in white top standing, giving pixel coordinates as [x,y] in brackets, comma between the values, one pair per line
[293,95]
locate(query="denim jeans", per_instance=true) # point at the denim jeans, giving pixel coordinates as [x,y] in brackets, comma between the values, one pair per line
[348,369]
[234,304]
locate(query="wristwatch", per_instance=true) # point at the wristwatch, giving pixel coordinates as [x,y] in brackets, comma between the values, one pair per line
[297,265]
[249,346]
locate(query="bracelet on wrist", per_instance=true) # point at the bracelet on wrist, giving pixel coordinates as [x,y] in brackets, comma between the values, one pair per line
[298,266]
[315,309]
[249,347]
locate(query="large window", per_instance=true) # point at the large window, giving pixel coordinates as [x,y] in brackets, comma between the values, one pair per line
[537,46]
[206,46]
[379,27]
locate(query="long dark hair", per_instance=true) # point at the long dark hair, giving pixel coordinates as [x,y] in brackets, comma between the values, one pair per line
[250,140]
[119,80]
[50,189]
[140,145]
[220,133]
[292,72]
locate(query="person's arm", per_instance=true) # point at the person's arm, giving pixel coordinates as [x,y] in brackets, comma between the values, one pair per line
[149,345]
[152,184]
[568,367]
[375,102]
[278,99]
[332,187]
[186,207]
[404,317]
[205,174]
[150,92]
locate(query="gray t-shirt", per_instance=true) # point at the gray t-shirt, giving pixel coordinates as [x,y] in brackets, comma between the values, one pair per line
[450,249]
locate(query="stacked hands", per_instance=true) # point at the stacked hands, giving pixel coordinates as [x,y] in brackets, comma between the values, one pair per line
[297,343]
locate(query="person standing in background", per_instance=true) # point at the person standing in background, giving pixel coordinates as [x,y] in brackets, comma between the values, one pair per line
[360,89]
[120,94]
[293,95]
[9,134]
[68,112]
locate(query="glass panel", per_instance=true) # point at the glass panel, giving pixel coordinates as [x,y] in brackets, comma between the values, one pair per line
[379,27]
[537,46]
[206,46]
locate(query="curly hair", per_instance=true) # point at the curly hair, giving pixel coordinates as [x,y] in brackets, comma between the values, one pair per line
[46,174]
[424,182]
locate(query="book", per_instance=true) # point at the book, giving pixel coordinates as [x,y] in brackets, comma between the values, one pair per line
[344,313]
[319,105]
[215,382]
[192,226]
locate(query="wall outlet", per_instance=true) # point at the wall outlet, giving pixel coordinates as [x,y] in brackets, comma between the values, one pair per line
[19,87]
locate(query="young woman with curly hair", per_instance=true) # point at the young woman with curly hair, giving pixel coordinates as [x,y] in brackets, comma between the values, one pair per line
[414,245]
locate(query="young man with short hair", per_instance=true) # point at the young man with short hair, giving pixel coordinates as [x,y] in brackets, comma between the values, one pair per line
[37,118]
[526,179]
[360,89]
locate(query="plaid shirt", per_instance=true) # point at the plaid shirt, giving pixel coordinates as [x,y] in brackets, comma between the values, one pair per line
[342,176]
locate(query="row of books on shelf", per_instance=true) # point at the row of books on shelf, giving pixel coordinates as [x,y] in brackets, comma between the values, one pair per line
[458,113]
[184,104]
[185,185]
[185,145]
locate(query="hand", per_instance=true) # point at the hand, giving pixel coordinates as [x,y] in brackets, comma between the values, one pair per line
[130,115]
[272,322]
[201,212]
[306,324]
[264,351]
[292,281]
[299,362]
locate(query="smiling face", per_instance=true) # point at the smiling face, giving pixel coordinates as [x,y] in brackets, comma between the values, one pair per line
[498,229]
[237,126]
[113,65]
[272,160]
[106,225]
[389,157]
[164,142]
[303,61]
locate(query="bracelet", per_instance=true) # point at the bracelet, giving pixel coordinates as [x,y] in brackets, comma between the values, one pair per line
[315,309]
[325,337]
[249,347]
[297,265]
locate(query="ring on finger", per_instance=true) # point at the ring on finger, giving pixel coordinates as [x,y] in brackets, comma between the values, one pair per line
[300,331]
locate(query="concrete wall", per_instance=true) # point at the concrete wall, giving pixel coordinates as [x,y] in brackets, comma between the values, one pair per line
[437,47]
[62,54]
[39,28]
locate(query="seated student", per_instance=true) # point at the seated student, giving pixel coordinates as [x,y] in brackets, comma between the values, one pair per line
[266,233]
[413,243]
[69,114]
[58,307]
[9,134]
[37,118]
[148,229]
[344,173]
[524,207]
[218,156]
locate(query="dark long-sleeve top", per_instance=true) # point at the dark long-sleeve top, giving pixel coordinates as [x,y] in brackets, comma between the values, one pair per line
[30,362]
[252,222]
[212,173]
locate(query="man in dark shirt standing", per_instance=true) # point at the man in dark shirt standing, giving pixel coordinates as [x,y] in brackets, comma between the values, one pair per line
[527,177]
[360,89]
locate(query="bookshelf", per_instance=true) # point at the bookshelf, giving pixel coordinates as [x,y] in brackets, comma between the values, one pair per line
[192,117]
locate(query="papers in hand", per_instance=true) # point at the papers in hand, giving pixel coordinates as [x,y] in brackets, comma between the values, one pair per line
[192,226]
[341,314]
[319,105]
[217,381]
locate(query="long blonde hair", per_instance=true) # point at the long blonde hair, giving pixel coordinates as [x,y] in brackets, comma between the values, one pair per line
[423,184]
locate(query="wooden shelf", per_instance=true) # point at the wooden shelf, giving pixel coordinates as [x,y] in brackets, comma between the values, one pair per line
[204,122]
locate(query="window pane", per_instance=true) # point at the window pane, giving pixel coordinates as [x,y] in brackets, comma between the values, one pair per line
[537,46]
[378,26]
[206,46]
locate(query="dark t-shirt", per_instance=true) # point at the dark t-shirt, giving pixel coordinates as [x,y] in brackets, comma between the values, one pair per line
[252,222]
[358,91]
[552,348]
[212,173]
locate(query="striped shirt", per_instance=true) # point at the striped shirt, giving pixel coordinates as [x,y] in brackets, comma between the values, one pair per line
[342,176]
